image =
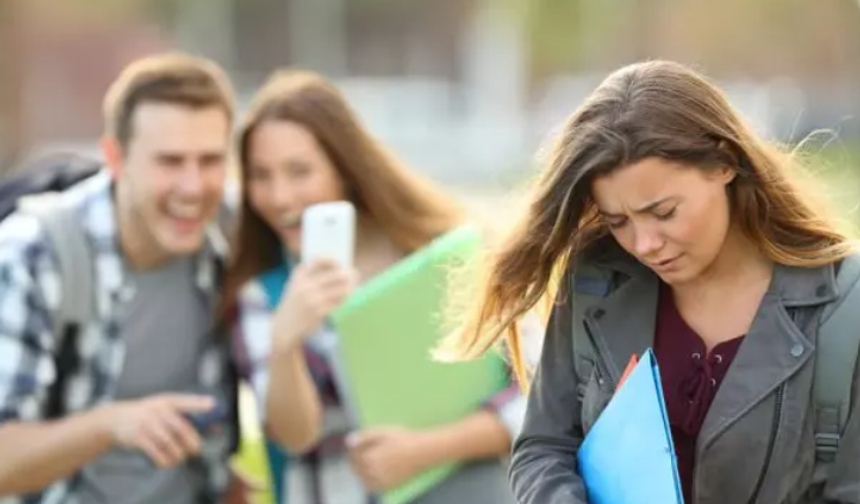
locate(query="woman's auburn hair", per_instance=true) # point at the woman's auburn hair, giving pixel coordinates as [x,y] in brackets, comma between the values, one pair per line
[409,208]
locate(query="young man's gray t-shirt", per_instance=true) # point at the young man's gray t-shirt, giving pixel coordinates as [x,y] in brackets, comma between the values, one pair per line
[165,327]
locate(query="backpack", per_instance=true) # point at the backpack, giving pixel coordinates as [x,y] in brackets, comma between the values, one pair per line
[836,352]
[47,174]
[36,191]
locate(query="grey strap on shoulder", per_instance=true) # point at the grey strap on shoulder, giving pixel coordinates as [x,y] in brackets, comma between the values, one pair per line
[836,359]
[69,243]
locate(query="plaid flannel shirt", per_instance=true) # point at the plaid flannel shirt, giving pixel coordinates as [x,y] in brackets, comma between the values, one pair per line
[252,341]
[29,297]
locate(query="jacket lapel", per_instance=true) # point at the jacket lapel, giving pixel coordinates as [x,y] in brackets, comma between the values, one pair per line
[773,350]
[622,324]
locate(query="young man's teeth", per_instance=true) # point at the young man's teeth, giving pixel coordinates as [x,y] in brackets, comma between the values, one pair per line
[184,211]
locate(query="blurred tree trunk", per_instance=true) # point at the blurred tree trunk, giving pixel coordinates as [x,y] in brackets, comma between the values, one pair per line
[13,141]
[206,27]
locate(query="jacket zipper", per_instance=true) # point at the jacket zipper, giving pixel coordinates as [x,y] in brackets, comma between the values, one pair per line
[600,361]
[777,418]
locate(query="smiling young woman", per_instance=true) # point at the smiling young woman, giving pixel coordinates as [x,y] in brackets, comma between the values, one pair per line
[302,144]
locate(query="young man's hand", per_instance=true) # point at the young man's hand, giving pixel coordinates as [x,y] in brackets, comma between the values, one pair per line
[158,426]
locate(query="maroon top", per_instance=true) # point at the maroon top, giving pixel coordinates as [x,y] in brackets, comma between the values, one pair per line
[690,377]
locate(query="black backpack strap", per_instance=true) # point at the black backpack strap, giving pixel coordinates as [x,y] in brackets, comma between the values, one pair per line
[233,399]
[232,374]
[66,362]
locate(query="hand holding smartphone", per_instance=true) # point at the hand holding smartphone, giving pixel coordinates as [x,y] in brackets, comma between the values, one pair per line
[315,289]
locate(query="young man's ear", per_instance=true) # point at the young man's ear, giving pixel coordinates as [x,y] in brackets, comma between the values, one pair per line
[113,154]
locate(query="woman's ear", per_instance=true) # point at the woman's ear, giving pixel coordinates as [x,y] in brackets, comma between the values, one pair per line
[726,174]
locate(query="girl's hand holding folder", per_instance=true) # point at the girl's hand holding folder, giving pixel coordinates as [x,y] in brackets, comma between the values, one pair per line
[386,457]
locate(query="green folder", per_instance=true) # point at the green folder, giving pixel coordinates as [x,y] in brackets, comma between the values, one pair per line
[387,330]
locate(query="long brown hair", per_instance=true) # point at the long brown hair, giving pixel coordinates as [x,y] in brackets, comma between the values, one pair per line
[410,209]
[650,109]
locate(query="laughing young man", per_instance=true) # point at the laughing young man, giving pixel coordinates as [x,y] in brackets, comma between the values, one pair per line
[150,358]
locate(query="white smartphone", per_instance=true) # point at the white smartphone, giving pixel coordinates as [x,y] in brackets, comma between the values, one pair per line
[328,231]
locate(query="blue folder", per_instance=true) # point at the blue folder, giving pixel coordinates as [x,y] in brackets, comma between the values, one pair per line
[628,457]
